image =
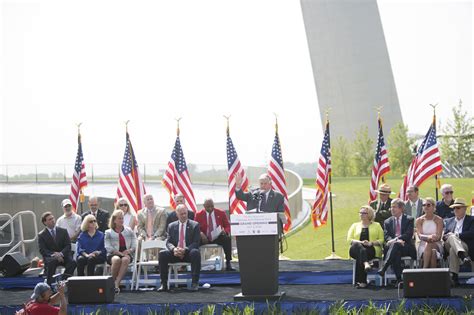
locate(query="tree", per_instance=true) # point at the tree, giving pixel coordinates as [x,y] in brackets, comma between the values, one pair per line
[341,157]
[399,149]
[363,150]
[457,143]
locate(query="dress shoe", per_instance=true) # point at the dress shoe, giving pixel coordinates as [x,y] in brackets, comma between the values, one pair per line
[228,266]
[381,273]
[398,284]
[194,287]
[466,260]
[163,288]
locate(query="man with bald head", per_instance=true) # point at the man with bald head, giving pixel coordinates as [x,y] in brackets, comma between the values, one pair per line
[101,215]
[209,220]
[182,245]
[178,200]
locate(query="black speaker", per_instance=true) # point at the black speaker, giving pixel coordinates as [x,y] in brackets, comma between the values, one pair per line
[14,264]
[90,290]
[432,282]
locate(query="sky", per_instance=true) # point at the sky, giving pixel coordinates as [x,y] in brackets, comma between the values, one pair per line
[102,63]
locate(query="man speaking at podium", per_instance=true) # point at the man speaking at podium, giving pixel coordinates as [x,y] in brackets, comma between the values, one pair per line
[264,199]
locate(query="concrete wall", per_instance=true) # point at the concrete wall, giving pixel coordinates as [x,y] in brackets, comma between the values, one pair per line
[351,65]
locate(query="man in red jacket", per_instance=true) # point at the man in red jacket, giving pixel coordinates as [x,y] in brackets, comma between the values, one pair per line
[211,220]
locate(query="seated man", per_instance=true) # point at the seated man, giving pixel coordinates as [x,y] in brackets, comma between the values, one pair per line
[210,219]
[55,246]
[43,299]
[398,235]
[182,246]
[70,220]
[382,206]
[443,207]
[459,238]
[151,221]
[101,215]
[178,200]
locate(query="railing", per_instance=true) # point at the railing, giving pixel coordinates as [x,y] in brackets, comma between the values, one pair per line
[56,173]
[21,243]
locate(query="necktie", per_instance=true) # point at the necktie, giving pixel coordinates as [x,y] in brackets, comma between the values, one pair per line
[413,209]
[263,203]
[210,227]
[398,229]
[181,236]
[53,234]
[149,224]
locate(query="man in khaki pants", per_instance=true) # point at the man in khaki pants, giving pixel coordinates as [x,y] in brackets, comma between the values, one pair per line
[459,238]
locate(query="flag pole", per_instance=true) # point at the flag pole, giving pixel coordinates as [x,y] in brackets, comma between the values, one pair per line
[379,121]
[132,155]
[227,129]
[436,176]
[81,194]
[333,246]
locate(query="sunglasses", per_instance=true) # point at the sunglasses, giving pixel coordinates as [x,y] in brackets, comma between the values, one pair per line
[363,212]
[92,221]
[123,205]
[427,205]
[449,192]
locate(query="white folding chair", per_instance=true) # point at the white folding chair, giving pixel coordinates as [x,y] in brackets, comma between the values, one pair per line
[209,254]
[370,276]
[143,262]
[407,261]
[176,278]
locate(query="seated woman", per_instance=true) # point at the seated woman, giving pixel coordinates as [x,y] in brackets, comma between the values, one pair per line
[366,239]
[129,215]
[429,228]
[120,243]
[90,246]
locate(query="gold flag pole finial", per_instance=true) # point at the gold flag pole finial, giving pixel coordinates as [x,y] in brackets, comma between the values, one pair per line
[79,128]
[276,122]
[177,123]
[228,129]
[379,110]
[434,108]
[327,113]
[126,126]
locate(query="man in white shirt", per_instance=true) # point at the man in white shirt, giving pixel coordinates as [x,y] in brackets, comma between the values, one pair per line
[414,205]
[459,238]
[70,220]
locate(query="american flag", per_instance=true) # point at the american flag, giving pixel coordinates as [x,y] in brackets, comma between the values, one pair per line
[319,211]
[176,178]
[277,174]
[426,163]
[130,185]
[79,178]
[236,206]
[381,165]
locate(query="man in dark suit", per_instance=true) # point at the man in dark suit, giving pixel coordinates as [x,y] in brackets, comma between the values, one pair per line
[459,238]
[182,245]
[414,205]
[264,200]
[55,247]
[102,216]
[383,205]
[209,220]
[172,217]
[398,236]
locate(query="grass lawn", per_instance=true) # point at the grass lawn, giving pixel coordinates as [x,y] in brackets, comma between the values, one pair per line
[350,194]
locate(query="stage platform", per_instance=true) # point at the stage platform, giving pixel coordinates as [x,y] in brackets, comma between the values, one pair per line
[298,296]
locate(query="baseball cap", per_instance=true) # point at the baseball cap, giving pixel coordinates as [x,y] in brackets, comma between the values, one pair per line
[40,288]
[66,202]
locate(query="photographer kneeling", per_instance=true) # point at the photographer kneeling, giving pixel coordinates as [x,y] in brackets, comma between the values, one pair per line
[43,301]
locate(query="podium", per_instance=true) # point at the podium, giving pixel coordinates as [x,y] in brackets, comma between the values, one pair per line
[257,245]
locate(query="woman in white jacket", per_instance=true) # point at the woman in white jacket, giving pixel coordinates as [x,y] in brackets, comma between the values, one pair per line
[120,243]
